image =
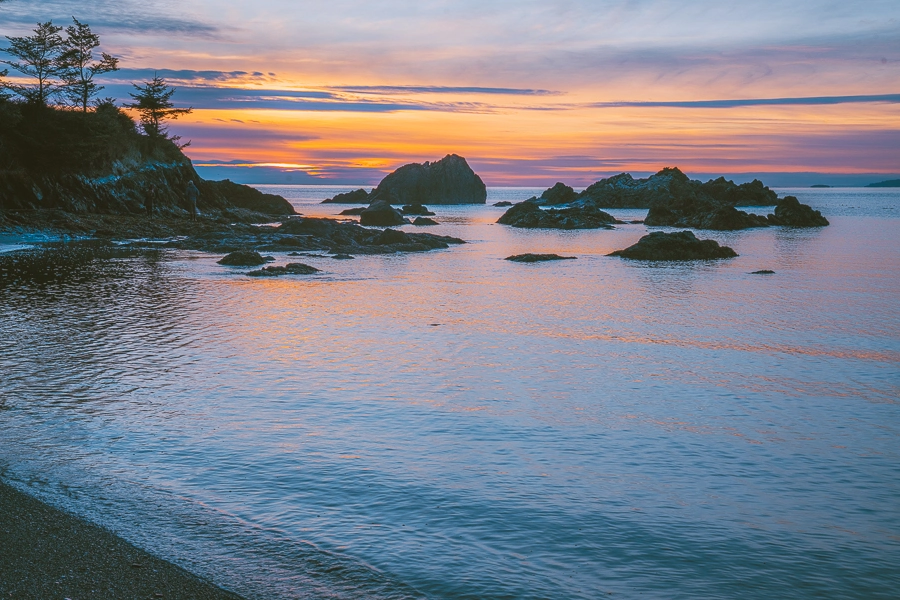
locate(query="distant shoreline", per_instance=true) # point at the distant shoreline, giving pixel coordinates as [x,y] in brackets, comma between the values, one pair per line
[48,553]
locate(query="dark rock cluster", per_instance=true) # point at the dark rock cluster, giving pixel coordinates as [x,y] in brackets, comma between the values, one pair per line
[624,191]
[702,213]
[681,245]
[530,215]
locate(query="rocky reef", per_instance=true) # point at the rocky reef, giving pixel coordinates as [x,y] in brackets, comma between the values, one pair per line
[670,184]
[681,245]
[701,212]
[530,215]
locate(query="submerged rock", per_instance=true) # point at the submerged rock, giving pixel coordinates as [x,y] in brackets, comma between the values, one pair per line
[530,215]
[288,269]
[447,181]
[243,258]
[343,257]
[763,272]
[531,258]
[502,203]
[359,196]
[381,214]
[417,209]
[791,213]
[681,245]
[424,221]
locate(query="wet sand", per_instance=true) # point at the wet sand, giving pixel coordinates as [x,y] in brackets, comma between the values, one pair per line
[46,553]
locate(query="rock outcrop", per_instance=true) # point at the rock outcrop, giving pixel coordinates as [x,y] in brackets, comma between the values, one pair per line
[670,184]
[681,245]
[288,269]
[381,214]
[424,221]
[359,196]
[530,215]
[417,209]
[560,193]
[701,212]
[532,258]
[243,258]
[447,181]
[791,213]
[353,211]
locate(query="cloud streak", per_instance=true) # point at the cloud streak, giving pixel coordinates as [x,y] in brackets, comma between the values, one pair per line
[738,103]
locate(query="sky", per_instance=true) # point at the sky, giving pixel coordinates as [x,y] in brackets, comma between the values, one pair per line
[530,92]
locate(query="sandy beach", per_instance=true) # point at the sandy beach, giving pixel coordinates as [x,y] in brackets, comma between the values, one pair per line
[46,553]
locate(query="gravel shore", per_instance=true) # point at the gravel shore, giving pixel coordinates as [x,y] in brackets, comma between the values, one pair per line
[48,554]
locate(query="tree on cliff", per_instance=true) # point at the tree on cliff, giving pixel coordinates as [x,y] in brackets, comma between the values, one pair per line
[153,102]
[38,57]
[78,67]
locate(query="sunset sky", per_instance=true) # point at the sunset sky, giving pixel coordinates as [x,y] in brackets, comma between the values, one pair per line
[530,92]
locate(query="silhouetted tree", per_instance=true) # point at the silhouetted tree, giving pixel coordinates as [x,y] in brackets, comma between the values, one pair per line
[38,57]
[154,105]
[78,67]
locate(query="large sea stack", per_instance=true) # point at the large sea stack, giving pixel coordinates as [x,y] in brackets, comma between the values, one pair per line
[448,181]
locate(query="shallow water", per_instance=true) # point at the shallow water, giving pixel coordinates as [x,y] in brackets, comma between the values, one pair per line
[453,425]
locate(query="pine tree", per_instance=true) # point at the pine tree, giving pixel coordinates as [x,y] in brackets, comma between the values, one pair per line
[78,66]
[154,105]
[38,56]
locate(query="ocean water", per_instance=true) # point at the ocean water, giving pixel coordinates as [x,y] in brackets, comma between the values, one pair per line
[453,425]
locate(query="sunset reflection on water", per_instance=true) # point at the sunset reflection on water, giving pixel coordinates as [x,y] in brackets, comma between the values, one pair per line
[451,424]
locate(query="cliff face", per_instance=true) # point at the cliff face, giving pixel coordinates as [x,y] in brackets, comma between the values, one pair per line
[448,181]
[98,163]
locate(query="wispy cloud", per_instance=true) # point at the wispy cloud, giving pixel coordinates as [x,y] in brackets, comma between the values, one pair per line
[437,89]
[736,103]
[131,16]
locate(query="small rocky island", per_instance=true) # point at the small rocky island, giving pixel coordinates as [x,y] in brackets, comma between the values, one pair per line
[448,181]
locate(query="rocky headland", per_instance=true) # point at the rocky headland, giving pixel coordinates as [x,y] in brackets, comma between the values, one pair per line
[92,175]
[448,181]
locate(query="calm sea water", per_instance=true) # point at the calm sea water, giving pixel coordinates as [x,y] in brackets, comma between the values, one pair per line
[453,425]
